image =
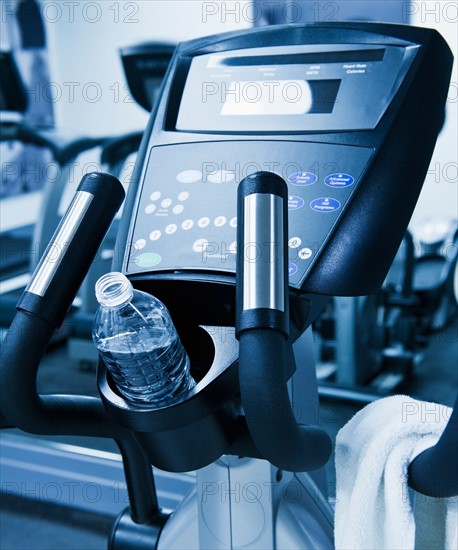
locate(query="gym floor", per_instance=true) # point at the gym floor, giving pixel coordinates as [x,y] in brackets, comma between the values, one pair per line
[28,524]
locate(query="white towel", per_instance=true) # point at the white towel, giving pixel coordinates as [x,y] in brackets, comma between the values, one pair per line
[375,509]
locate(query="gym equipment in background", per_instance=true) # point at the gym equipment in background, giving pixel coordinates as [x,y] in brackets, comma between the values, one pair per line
[433,274]
[369,346]
[346,146]
[21,247]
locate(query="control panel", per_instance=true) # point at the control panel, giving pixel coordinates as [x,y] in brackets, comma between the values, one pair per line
[187,209]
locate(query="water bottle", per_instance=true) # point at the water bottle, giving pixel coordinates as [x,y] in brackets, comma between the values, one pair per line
[139,344]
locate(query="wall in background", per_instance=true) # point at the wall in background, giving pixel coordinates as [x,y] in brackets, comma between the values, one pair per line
[84,43]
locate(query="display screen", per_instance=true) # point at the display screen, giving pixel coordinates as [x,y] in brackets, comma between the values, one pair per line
[279,97]
[295,88]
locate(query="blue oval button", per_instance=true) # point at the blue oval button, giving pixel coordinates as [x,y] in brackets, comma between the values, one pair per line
[295,202]
[148,259]
[292,269]
[325,204]
[339,180]
[302,178]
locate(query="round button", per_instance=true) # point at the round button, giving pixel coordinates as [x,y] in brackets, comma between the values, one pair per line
[294,242]
[302,178]
[203,222]
[295,202]
[233,222]
[339,180]
[171,228]
[305,253]
[139,244]
[155,235]
[187,224]
[200,245]
[184,195]
[148,259]
[189,176]
[166,203]
[220,221]
[178,209]
[155,196]
[292,269]
[221,176]
[325,204]
[150,208]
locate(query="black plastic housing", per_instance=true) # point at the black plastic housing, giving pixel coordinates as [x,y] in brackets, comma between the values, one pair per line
[200,426]
[357,256]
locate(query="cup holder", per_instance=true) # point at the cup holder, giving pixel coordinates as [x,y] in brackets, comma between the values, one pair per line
[195,430]
[200,348]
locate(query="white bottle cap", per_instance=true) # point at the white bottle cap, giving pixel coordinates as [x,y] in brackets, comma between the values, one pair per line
[113,289]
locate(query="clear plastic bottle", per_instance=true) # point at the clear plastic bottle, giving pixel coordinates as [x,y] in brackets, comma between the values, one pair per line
[139,344]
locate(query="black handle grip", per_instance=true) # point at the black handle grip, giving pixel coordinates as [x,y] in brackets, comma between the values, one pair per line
[434,472]
[262,328]
[43,306]
[73,248]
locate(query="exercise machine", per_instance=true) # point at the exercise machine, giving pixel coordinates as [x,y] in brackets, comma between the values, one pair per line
[433,274]
[21,247]
[367,346]
[243,218]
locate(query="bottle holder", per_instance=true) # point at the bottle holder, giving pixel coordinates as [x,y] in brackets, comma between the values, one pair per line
[195,429]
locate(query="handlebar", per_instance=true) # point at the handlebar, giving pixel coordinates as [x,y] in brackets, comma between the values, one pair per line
[263,326]
[42,309]
[434,472]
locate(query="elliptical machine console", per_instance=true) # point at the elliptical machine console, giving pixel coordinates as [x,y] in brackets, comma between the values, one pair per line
[333,109]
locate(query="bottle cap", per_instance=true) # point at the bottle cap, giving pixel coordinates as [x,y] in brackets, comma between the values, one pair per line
[113,289]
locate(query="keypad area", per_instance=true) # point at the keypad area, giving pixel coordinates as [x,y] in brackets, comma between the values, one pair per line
[187,210]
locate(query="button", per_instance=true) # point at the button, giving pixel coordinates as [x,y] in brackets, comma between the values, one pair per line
[294,242]
[325,204]
[295,202]
[155,235]
[156,195]
[220,221]
[150,208]
[171,228]
[292,269]
[184,195]
[203,222]
[187,224]
[221,176]
[302,178]
[305,253]
[200,245]
[166,203]
[178,209]
[339,180]
[148,259]
[233,222]
[139,244]
[189,176]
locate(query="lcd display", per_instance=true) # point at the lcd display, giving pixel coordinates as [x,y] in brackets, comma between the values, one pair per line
[294,88]
[279,97]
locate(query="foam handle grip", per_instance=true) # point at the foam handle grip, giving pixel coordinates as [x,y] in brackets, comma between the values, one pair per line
[72,249]
[275,432]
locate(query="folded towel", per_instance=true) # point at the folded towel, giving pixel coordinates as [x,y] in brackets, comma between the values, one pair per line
[375,509]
